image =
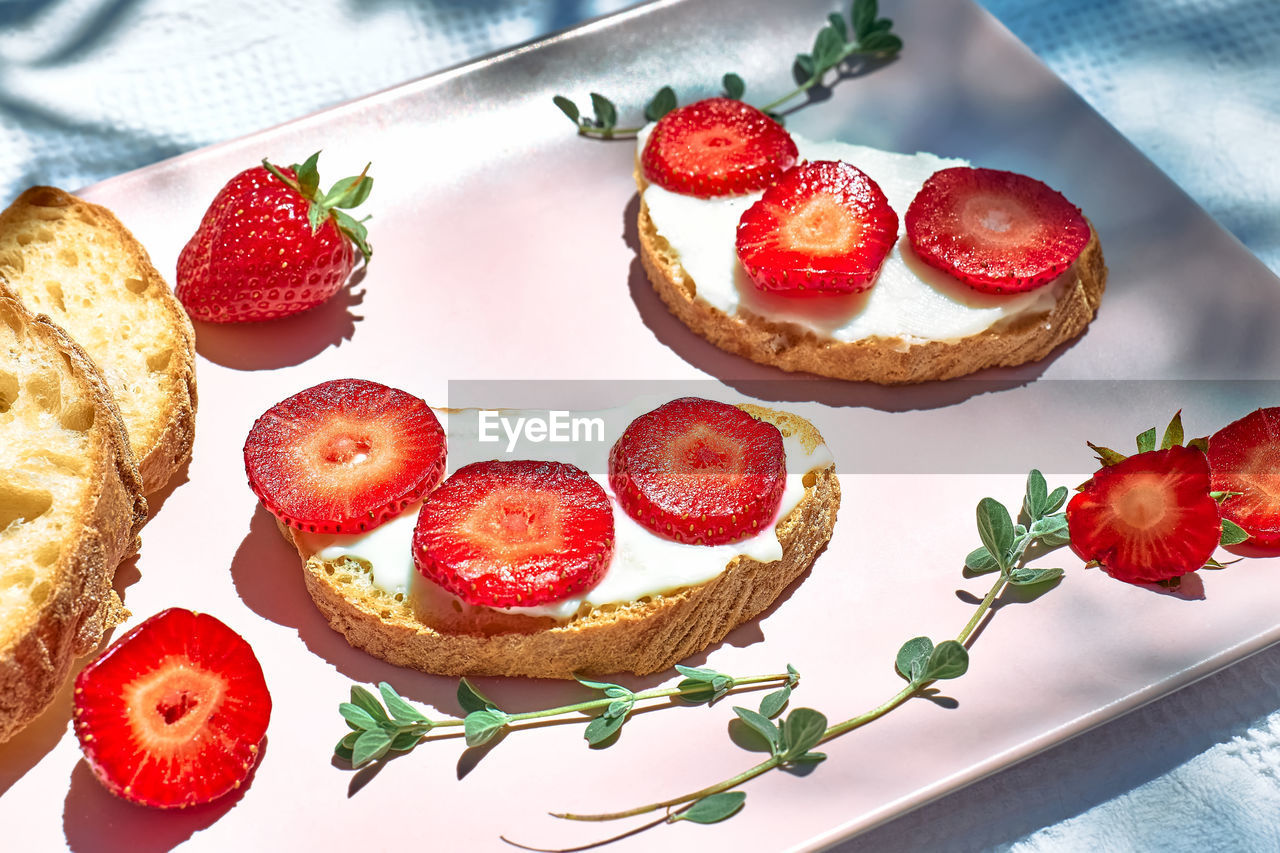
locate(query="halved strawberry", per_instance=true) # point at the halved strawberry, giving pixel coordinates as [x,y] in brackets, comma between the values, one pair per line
[1244,457]
[1147,518]
[716,147]
[173,714]
[344,456]
[699,471]
[515,534]
[998,232]
[824,228]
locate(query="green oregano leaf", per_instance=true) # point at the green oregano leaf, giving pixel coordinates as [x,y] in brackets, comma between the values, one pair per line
[995,528]
[706,676]
[364,700]
[567,107]
[949,659]
[663,102]
[838,24]
[878,41]
[481,726]
[761,725]
[863,16]
[472,699]
[1173,433]
[595,685]
[712,808]
[1029,577]
[1037,497]
[1048,526]
[405,741]
[619,708]
[1057,498]
[401,710]
[772,704]
[804,69]
[734,87]
[602,728]
[1232,533]
[370,745]
[827,48]
[357,716]
[912,657]
[979,561]
[802,730]
[1147,441]
[606,112]
[793,676]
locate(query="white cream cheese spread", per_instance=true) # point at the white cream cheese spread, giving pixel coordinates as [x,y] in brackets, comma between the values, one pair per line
[910,300]
[643,564]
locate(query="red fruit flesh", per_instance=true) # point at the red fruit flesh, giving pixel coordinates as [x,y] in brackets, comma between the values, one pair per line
[998,232]
[716,147]
[173,714]
[699,471]
[824,228]
[1244,456]
[255,257]
[1148,518]
[344,456]
[515,534]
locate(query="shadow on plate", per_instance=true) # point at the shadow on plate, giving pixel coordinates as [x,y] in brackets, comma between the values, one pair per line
[93,819]
[285,342]
[765,382]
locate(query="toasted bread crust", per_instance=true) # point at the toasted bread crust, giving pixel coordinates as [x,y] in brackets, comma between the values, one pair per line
[887,361]
[96,305]
[71,603]
[641,637]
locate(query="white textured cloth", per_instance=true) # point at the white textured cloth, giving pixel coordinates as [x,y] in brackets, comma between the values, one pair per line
[1195,85]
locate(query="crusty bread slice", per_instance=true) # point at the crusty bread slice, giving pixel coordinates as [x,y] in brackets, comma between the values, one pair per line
[76,263]
[71,507]
[641,637]
[887,361]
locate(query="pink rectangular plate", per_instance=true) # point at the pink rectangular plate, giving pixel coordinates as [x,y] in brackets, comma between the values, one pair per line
[506,250]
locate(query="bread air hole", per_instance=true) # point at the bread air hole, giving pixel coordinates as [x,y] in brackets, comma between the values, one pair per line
[20,505]
[45,389]
[135,285]
[9,390]
[54,289]
[11,260]
[77,416]
[159,362]
[22,578]
[40,593]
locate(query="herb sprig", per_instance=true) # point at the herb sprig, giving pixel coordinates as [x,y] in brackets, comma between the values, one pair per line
[864,36]
[378,729]
[920,662]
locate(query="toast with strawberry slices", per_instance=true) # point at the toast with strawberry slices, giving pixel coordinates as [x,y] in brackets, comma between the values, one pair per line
[835,256]
[480,551]
[71,507]
[76,263]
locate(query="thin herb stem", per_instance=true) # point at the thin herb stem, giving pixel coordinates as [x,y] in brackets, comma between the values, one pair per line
[725,785]
[983,608]
[849,51]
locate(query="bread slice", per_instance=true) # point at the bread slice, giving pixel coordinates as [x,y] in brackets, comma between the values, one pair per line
[643,636]
[76,263]
[887,361]
[71,507]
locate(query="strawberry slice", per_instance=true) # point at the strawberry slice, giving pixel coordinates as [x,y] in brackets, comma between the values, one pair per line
[1244,457]
[173,714]
[699,471]
[344,456]
[824,228]
[998,232]
[515,534]
[716,147]
[1148,518]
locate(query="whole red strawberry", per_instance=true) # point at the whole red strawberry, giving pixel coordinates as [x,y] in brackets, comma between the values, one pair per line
[272,245]
[174,713]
